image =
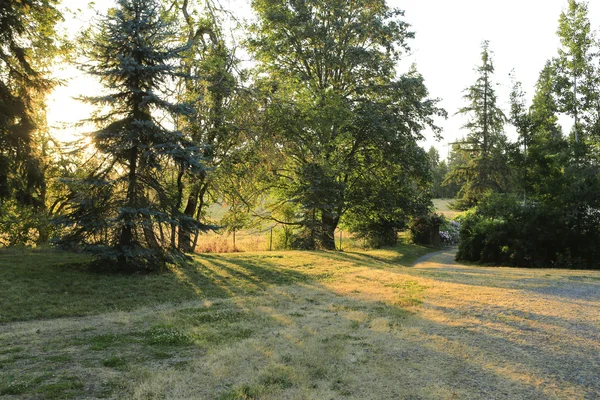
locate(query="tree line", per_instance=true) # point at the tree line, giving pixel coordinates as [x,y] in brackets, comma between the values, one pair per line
[320,131]
[537,200]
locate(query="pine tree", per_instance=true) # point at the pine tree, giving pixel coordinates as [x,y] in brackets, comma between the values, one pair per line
[120,210]
[575,66]
[485,142]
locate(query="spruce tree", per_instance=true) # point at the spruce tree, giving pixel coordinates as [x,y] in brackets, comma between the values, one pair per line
[120,210]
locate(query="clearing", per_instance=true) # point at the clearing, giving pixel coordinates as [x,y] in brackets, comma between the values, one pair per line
[298,325]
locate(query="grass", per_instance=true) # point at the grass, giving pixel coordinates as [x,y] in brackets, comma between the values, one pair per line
[57,284]
[296,325]
[442,206]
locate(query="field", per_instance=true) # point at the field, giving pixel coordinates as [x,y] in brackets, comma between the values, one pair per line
[442,206]
[298,325]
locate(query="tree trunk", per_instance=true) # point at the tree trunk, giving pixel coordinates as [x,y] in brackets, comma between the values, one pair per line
[126,236]
[195,200]
[329,225]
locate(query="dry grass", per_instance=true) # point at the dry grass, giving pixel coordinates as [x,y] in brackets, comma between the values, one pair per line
[442,206]
[323,325]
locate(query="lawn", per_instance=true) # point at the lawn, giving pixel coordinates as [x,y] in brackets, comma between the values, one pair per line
[442,206]
[297,325]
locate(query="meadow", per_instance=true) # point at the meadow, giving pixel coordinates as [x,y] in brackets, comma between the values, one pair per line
[297,325]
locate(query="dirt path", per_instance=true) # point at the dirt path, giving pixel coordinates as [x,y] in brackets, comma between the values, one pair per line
[535,328]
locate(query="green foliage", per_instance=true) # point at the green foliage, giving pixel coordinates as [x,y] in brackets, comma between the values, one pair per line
[484,165]
[29,44]
[337,114]
[425,229]
[576,78]
[503,231]
[118,210]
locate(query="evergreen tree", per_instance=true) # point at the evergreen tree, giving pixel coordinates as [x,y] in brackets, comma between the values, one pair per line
[28,44]
[120,209]
[575,77]
[485,143]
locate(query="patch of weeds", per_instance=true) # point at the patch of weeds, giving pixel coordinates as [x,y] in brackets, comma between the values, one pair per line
[325,277]
[109,388]
[60,358]
[246,392]
[114,362]
[161,355]
[277,375]
[342,386]
[228,333]
[13,387]
[102,342]
[296,314]
[409,302]
[64,387]
[317,372]
[354,324]
[391,312]
[167,336]
[409,290]
[181,365]
[407,285]
[11,350]
[211,315]
[339,337]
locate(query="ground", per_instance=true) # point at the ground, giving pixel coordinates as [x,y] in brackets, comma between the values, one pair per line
[300,325]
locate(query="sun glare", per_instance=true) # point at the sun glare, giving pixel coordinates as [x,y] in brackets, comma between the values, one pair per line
[65,111]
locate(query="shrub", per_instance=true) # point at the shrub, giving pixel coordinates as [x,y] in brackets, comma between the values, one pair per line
[425,229]
[536,235]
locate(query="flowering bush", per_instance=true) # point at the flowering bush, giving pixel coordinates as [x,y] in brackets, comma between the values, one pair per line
[450,233]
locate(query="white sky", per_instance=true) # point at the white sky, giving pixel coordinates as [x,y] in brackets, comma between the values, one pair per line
[522,35]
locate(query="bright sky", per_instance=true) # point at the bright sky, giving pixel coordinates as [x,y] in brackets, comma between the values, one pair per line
[522,35]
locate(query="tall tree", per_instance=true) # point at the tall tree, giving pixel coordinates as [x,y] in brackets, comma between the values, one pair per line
[123,204]
[334,103]
[485,141]
[575,66]
[221,108]
[28,44]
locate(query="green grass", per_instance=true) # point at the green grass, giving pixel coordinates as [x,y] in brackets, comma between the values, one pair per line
[208,305]
[273,325]
[57,284]
[442,206]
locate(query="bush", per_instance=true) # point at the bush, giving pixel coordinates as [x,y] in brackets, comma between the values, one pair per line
[450,232]
[536,235]
[425,230]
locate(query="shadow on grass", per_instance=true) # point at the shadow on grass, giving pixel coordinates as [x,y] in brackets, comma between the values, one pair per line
[355,348]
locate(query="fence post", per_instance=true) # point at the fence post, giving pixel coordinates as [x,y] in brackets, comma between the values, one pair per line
[340,240]
[271,241]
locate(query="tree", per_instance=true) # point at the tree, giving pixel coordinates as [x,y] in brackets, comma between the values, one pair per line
[486,168]
[118,211]
[439,170]
[221,109]
[334,107]
[28,45]
[575,66]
